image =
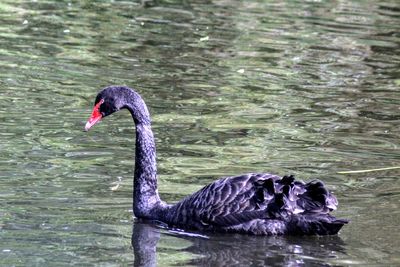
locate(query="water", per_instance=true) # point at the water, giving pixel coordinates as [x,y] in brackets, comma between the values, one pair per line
[304,87]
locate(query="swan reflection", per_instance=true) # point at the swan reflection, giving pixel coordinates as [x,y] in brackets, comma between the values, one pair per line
[237,250]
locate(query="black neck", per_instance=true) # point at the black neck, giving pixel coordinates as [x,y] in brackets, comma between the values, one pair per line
[146,201]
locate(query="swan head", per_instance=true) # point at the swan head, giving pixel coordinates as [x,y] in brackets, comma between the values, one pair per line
[113,98]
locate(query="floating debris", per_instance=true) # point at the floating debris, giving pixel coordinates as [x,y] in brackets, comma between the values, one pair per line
[370,170]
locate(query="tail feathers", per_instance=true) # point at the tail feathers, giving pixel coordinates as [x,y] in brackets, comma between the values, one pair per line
[317,198]
[315,225]
[290,196]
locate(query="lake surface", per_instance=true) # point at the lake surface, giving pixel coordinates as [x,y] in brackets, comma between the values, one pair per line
[309,88]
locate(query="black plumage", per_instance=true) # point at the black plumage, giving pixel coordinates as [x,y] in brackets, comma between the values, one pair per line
[256,203]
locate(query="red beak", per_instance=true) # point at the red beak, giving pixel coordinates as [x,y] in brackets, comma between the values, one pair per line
[95,117]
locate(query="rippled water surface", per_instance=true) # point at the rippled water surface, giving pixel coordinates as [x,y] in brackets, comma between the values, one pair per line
[303,87]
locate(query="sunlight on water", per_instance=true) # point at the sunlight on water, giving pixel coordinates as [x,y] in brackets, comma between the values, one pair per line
[305,87]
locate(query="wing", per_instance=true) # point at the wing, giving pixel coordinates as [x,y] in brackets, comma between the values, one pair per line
[237,200]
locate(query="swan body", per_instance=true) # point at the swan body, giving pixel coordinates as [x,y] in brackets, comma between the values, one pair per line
[255,203]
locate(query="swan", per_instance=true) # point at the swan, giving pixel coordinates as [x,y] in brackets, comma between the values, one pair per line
[253,203]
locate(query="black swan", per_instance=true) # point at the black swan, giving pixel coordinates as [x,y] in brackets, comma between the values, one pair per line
[254,203]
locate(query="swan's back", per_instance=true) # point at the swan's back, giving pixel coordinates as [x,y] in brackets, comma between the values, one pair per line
[262,204]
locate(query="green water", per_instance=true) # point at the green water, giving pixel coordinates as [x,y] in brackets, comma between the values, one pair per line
[308,88]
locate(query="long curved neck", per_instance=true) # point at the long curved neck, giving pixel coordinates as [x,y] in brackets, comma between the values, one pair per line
[145,193]
[146,201]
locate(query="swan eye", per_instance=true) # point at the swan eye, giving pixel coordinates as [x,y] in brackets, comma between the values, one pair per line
[102,107]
